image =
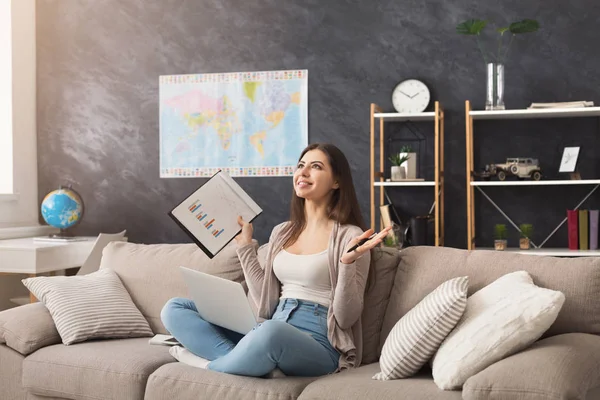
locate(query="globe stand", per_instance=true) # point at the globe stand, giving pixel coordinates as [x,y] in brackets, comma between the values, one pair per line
[63,234]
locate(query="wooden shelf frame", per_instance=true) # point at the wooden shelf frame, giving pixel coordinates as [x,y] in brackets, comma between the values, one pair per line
[551,252]
[437,117]
[473,184]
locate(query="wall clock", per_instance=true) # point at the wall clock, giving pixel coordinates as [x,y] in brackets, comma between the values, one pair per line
[411,96]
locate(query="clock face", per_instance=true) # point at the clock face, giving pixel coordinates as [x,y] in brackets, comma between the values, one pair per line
[410,96]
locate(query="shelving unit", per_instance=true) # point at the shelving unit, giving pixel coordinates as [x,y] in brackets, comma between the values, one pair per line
[550,252]
[437,117]
[472,184]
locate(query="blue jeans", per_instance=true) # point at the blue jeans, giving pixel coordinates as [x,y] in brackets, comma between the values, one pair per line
[293,340]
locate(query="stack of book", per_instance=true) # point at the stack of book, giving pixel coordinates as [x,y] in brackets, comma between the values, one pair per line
[583,229]
[564,104]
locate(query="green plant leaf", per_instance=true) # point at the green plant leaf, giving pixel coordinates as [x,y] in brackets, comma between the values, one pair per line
[524,26]
[389,241]
[526,230]
[500,231]
[502,30]
[471,27]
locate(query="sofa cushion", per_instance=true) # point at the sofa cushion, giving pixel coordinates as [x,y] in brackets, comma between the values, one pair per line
[183,382]
[377,295]
[559,367]
[357,384]
[28,328]
[423,268]
[92,306]
[418,335]
[501,319]
[151,275]
[11,363]
[102,369]
[593,394]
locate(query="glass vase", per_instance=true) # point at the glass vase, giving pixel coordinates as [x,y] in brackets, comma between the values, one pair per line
[494,99]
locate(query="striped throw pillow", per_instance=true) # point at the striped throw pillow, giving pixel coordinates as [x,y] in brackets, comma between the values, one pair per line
[417,335]
[94,306]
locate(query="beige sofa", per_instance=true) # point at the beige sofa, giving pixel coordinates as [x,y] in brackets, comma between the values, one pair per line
[564,364]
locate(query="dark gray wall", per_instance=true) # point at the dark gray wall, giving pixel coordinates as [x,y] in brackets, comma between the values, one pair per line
[99,61]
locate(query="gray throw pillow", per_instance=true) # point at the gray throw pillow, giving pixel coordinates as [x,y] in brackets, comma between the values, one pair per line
[94,306]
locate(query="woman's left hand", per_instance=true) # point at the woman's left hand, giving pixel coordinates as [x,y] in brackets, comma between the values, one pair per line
[349,258]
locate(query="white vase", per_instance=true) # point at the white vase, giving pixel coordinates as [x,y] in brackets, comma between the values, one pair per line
[398,173]
[410,165]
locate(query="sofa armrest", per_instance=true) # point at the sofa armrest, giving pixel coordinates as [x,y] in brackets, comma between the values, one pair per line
[28,328]
[559,367]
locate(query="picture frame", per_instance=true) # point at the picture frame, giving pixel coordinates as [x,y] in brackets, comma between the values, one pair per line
[568,162]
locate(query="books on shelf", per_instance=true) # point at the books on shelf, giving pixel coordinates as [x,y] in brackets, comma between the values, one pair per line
[582,227]
[564,104]
[386,217]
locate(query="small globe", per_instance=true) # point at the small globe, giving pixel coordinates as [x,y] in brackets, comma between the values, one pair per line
[62,208]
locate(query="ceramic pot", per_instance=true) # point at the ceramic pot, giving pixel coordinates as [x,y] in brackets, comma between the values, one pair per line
[398,173]
[410,165]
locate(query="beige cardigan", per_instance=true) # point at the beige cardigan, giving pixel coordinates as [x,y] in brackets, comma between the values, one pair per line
[347,288]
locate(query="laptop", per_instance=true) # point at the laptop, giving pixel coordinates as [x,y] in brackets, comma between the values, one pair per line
[220,301]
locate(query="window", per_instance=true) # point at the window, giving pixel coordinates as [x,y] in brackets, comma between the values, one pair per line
[6,131]
[18,160]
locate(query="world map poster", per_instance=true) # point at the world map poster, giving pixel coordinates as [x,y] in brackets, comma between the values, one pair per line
[245,123]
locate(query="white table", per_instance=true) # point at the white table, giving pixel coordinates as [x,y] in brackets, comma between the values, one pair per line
[26,256]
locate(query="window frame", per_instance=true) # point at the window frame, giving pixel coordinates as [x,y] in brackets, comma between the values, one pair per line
[7,156]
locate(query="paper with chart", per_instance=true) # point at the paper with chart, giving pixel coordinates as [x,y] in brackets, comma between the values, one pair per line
[209,215]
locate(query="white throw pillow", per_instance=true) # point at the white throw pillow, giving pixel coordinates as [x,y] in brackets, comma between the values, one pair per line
[501,319]
[93,306]
[417,335]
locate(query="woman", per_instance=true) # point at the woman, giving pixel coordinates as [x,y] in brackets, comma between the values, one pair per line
[309,293]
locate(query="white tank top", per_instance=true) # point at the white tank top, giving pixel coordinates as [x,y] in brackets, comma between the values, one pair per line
[304,277]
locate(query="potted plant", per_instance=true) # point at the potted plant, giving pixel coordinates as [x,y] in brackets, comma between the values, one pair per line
[495,61]
[500,237]
[395,237]
[410,165]
[398,171]
[526,233]
[389,241]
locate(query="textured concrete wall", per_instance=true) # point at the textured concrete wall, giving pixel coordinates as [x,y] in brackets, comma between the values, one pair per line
[99,62]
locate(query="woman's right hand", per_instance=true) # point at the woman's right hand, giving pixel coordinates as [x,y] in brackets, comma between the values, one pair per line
[245,237]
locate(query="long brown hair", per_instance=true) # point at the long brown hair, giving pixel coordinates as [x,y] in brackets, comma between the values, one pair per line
[343,206]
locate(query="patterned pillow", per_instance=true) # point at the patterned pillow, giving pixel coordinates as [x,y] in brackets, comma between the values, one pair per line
[90,306]
[417,335]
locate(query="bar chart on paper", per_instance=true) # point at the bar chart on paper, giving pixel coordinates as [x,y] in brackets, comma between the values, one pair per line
[200,215]
[210,214]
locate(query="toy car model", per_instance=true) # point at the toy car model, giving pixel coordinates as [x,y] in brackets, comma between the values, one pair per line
[519,167]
